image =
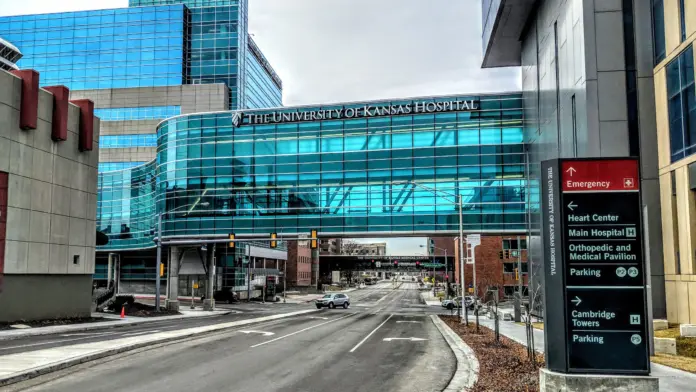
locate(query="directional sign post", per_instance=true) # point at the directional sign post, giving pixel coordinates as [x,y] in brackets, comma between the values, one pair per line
[595,297]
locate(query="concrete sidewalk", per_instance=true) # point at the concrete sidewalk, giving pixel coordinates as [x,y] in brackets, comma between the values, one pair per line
[429,299]
[22,366]
[671,380]
[111,321]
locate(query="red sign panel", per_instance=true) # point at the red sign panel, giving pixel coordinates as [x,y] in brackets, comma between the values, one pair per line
[617,175]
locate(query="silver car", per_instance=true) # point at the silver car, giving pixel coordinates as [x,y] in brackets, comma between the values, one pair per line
[333,300]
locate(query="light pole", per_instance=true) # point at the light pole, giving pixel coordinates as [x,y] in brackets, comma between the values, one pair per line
[159,248]
[458,201]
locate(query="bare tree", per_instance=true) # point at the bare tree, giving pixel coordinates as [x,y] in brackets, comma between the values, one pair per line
[349,247]
[533,297]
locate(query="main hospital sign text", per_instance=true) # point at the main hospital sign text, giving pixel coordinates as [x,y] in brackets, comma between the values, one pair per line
[361,112]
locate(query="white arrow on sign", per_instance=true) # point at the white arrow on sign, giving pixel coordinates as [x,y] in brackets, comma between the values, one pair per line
[572,206]
[571,170]
[412,339]
[260,332]
[576,301]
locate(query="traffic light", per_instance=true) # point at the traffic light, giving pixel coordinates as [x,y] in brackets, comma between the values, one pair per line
[517,274]
[231,243]
[252,276]
[274,243]
[507,253]
[431,246]
[417,264]
[314,243]
[162,269]
[396,263]
[500,255]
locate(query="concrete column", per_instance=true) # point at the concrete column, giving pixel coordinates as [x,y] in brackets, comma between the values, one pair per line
[315,267]
[109,270]
[209,301]
[173,285]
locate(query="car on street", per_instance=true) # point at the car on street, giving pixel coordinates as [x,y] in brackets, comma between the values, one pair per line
[457,302]
[333,300]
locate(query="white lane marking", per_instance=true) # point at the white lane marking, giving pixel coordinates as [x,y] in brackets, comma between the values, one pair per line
[44,343]
[66,335]
[142,332]
[411,339]
[261,332]
[302,330]
[370,334]
[318,318]
[408,321]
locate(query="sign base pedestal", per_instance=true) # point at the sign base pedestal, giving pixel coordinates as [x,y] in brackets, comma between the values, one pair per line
[550,381]
[172,305]
[208,304]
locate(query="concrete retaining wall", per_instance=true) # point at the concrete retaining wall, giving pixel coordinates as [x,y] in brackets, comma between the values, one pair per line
[40,297]
[666,346]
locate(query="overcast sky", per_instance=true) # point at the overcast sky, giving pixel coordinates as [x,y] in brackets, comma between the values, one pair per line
[351,50]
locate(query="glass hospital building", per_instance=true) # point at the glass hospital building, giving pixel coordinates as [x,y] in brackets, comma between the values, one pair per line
[193,131]
[341,169]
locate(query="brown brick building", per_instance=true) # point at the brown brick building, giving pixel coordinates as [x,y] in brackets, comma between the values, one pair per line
[491,271]
[299,264]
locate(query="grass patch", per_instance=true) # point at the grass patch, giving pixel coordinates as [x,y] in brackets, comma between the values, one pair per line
[668,333]
[686,347]
[676,361]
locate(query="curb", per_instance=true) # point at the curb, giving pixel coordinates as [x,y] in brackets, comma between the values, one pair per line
[116,323]
[184,334]
[467,371]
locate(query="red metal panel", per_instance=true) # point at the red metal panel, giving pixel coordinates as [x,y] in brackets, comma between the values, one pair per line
[86,123]
[600,175]
[59,125]
[29,108]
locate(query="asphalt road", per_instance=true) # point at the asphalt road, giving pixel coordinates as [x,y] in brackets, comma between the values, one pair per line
[240,312]
[385,341]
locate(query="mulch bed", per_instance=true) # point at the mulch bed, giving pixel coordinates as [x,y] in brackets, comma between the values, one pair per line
[138,309]
[503,366]
[51,322]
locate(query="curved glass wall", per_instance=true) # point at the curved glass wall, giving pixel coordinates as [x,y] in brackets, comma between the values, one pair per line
[338,176]
[341,176]
[126,207]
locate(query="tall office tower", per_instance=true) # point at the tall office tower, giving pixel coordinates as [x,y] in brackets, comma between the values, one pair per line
[145,63]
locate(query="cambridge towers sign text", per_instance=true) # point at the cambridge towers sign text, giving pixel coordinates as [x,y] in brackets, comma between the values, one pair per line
[359,112]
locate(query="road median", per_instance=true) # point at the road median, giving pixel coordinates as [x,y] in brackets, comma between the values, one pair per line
[466,374]
[23,366]
[107,324]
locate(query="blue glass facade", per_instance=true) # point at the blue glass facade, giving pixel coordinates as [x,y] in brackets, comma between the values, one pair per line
[154,43]
[116,48]
[264,88]
[217,34]
[111,166]
[339,175]
[126,207]
[126,141]
[139,113]
[681,102]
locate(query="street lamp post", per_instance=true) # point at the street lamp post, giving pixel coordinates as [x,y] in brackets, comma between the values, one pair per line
[159,250]
[458,201]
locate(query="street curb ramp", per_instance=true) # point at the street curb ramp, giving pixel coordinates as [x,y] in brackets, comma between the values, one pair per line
[178,335]
[467,371]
